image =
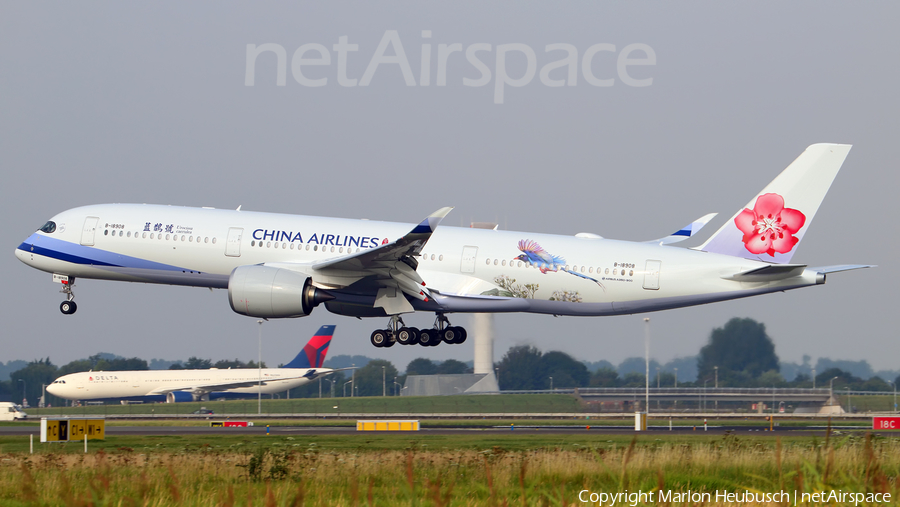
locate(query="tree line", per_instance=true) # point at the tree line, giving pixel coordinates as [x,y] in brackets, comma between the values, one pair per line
[739,354]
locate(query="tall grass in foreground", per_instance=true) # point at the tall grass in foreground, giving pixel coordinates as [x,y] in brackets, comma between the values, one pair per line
[303,474]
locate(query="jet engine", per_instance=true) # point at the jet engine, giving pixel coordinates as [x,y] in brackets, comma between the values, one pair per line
[270,292]
[180,397]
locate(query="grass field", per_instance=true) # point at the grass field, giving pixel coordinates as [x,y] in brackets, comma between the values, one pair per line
[335,407]
[415,469]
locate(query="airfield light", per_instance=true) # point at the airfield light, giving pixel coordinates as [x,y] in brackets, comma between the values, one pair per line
[259,370]
[831,389]
[647,365]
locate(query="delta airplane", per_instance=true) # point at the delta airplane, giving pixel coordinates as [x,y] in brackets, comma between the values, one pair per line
[277,266]
[198,385]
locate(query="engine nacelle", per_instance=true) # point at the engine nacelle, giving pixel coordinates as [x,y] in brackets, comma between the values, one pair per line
[179,397]
[270,292]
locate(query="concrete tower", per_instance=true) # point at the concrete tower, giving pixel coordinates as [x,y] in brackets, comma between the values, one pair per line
[483,334]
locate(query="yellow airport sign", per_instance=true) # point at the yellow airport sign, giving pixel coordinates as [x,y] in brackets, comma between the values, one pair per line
[388,425]
[68,429]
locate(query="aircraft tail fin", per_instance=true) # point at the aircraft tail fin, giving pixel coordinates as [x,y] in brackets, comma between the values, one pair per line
[771,225]
[313,354]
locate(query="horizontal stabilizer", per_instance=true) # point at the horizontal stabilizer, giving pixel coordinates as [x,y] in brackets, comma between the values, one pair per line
[841,267]
[685,232]
[768,273]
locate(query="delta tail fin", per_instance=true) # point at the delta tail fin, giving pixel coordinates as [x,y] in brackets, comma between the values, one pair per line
[313,354]
[769,228]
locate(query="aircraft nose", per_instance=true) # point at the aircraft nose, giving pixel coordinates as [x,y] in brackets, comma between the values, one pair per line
[53,389]
[25,249]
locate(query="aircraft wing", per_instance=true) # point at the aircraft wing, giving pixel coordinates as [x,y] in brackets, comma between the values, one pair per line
[385,255]
[391,265]
[685,232]
[311,374]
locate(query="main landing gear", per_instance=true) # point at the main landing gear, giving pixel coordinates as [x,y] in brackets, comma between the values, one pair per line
[68,306]
[398,332]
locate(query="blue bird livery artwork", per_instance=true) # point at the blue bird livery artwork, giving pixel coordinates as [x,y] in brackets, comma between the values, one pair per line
[534,255]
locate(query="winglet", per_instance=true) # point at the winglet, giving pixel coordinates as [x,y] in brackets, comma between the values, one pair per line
[428,225]
[685,232]
[313,354]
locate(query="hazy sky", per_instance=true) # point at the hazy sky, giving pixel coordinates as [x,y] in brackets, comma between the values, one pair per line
[148,102]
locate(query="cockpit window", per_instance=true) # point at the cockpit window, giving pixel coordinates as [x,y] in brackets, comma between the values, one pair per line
[48,227]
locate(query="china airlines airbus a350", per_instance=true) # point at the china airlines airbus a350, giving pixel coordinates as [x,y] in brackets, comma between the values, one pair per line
[277,266]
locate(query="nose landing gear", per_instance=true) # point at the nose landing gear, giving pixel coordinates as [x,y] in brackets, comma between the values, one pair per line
[68,306]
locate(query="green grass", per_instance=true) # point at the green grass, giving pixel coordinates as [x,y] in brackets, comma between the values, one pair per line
[525,468]
[512,403]
[377,405]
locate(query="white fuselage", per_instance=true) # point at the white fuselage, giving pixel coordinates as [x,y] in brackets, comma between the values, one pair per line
[96,385]
[470,270]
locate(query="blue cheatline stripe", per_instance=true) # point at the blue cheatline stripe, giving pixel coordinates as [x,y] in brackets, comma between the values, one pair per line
[53,254]
[87,255]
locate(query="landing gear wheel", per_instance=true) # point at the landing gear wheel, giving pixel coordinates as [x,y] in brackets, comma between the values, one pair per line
[390,342]
[428,338]
[450,335]
[407,336]
[461,334]
[379,337]
[68,307]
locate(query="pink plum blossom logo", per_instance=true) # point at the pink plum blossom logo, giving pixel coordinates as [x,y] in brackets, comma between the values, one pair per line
[770,227]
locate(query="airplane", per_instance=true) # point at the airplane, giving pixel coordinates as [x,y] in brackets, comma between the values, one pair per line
[284,266]
[174,386]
